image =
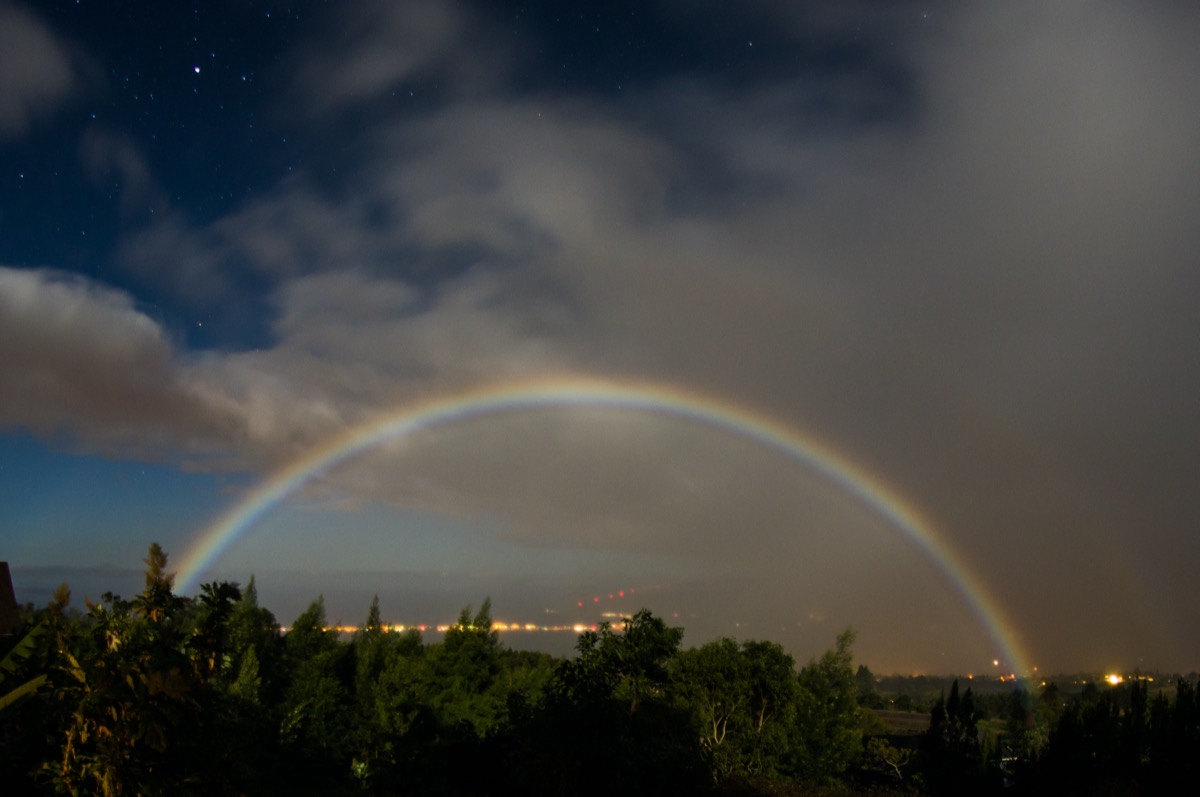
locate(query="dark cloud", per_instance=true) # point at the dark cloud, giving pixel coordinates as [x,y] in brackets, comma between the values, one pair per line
[376,50]
[80,361]
[113,159]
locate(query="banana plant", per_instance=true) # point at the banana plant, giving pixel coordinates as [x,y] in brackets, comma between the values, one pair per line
[12,663]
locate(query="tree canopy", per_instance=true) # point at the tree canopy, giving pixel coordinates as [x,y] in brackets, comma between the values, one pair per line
[166,695]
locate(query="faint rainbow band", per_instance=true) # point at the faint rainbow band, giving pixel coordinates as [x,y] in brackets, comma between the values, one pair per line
[568,392]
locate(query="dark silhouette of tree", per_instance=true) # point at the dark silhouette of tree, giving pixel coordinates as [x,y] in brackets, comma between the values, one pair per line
[317,710]
[868,692]
[613,702]
[1173,739]
[951,751]
[210,643]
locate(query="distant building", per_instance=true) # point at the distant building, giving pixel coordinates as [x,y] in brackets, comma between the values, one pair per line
[10,619]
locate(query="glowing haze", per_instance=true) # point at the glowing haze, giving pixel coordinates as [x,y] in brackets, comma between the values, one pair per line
[879,314]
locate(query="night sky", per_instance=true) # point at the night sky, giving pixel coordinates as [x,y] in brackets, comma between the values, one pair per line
[956,245]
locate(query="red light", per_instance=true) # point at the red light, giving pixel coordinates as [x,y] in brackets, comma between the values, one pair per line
[621,593]
[596,599]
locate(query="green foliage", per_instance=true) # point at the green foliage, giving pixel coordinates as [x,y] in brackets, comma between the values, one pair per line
[631,665]
[743,700]
[711,682]
[1027,723]
[157,603]
[958,747]
[1120,740]
[11,664]
[613,702]
[253,631]
[316,711]
[309,636]
[827,733]
[466,666]
[774,695]
[868,693]
[374,625]
[247,685]
[210,642]
[131,701]
[167,695]
[892,763]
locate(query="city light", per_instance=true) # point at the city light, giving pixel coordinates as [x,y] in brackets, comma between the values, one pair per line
[498,626]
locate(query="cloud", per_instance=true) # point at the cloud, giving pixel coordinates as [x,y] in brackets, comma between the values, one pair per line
[380,49]
[293,231]
[83,364]
[108,155]
[955,263]
[37,69]
[982,295]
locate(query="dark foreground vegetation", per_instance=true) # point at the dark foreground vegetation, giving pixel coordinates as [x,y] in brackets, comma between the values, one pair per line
[164,695]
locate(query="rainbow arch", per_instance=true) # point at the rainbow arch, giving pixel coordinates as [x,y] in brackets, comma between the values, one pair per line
[641,396]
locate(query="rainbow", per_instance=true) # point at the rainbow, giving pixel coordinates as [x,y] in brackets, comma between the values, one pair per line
[640,396]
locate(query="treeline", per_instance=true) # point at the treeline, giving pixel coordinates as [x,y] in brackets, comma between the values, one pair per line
[168,695]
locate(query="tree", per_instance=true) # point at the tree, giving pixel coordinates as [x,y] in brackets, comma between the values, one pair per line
[634,661]
[613,701]
[131,698]
[773,691]
[374,625]
[711,681]
[157,603]
[891,762]
[30,717]
[309,637]
[828,725]
[317,709]
[466,666]
[210,642]
[952,754]
[10,667]
[253,633]
[372,646]
[868,693]
[742,700]
[1026,727]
